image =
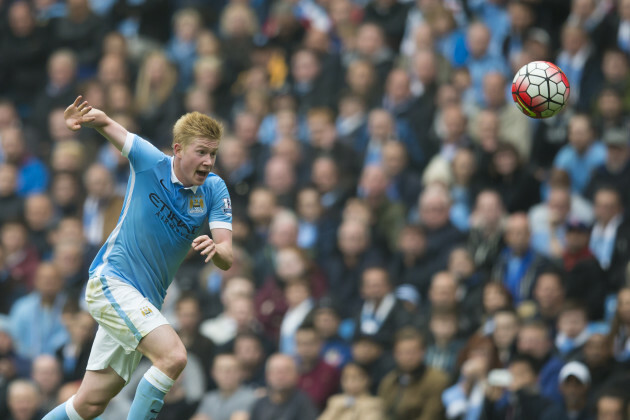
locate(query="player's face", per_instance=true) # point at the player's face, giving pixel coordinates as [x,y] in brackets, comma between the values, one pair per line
[196,160]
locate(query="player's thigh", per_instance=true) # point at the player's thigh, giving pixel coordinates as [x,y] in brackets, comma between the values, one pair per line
[98,387]
[163,344]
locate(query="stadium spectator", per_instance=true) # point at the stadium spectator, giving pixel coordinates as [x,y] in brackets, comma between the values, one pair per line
[12,204]
[575,382]
[250,352]
[20,257]
[611,405]
[412,389]
[283,399]
[518,265]
[36,322]
[231,398]
[317,379]
[46,374]
[24,400]
[534,340]
[355,401]
[335,350]
[32,174]
[608,235]
[73,355]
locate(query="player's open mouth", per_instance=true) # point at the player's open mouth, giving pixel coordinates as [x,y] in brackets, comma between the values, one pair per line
[202,174]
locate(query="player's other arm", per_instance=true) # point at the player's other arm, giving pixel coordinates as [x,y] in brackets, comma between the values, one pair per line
[81,114]
[218,249]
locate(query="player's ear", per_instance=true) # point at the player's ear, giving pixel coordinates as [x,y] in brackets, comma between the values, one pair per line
[177,149]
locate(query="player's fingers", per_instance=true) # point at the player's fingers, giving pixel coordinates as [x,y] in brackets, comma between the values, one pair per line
[208,249]
[77,101]
[199,239]
[209,257]
[204,244]
[86,110]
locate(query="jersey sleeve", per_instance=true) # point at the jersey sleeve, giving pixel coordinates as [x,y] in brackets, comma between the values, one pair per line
[141,154]
[220,216]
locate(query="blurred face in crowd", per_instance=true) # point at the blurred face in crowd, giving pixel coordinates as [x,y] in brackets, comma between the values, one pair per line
[443,290]
[98,182]
[624,9]
[534,341]
[354,380]
[572,322]
[374,182]
[369,39]
[62,68]
[443,326]
[226,371]
[425,66]
[478,39]
[523,376]
[248,350]
[394,158]
[20,19]
[398,86]
[23,400]
[305,67]
[8,180]
[279,175]
[615,63]
[13,237]
[366,351]
[308,346]
[454,123]
[360,77]
[494,89]
[12,142]
[610,408]
[188,314]
[517,233]
[573,39]
[375,284]
[47,374]
[623,305]
[549,292]
[48,280]
[607,206]
[381,125]
[505,161]
[577,240]
[325,174]
[246,128]
[233,154]
[597,352]
[353,238]
[282,374]
[489,210]
[460,263]
[326,322]
[574,392]
[521,16]
[283,230]
[308,205]
[559,205]
[580,133]
[262,206]
[506,327]
[412,242]
[488,130]
[38,211]
[409,354]
[464,165]
[434,208]
[290,264]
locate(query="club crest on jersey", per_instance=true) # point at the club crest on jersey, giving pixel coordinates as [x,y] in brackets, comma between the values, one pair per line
[227,207]
[146,311]
[195,205]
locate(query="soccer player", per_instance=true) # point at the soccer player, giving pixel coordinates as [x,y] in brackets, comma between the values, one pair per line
[167,200]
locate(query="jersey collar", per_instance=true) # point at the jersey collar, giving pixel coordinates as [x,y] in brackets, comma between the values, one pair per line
[174,179]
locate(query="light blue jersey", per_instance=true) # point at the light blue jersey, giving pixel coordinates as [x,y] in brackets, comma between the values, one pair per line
[159,220]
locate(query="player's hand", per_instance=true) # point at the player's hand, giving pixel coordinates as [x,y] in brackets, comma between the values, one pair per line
[205,245]
[80,114]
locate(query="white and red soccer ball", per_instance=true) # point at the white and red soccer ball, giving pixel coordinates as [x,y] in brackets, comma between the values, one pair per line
[540,89]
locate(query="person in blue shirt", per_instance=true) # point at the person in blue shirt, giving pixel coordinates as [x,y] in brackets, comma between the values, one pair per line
[166,203]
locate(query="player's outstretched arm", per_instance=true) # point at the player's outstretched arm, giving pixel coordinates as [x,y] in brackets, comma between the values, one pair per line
[81,114]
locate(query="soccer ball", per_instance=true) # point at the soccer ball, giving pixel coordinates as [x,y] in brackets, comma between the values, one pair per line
[540,89]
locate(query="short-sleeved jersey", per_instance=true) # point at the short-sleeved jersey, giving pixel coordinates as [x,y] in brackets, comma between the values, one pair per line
[159,220]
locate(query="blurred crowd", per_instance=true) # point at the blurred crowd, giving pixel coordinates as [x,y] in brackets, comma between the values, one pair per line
[407,244]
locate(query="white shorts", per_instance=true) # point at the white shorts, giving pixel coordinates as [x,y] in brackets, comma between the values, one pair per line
[124,317]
